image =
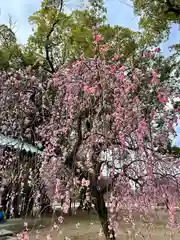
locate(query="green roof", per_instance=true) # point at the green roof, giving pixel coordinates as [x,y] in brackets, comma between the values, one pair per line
[17,144]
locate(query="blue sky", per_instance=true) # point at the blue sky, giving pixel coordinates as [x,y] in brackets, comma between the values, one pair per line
[178,138]
[118,13]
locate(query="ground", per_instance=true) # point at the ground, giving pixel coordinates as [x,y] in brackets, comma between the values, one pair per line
[87,227]
[88,232]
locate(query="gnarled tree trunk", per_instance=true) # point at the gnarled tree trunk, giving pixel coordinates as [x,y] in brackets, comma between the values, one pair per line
[102,211]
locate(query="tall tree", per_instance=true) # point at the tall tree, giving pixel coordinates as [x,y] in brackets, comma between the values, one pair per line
[71,35]
[157,17]
[13,54]
[57,35]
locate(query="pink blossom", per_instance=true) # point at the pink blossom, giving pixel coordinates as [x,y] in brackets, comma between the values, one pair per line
[89,90]
[161,96]
[157,50]
[113,69]
[155,79]
[86,88]
[98,38]
[56,82]
[116,56]
[176,119]
[23,236]
[151,55]
[92,90]
[85,182]
[172,212]
[170,124]
[121,77]
[16,84]
[65,208]
[178,109]
[122,140]
[122,68]
[49,237]
[142,126]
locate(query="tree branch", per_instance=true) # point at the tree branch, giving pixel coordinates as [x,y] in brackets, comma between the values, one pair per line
[48,37]
[70,159]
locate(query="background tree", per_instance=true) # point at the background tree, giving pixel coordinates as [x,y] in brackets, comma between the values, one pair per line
[13,54]
[91,90]
[71,35]
[7,45]
[157,17]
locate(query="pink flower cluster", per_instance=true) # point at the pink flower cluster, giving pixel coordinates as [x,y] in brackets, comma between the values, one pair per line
[85,182]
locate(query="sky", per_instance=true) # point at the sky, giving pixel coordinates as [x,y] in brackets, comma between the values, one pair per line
[119,12]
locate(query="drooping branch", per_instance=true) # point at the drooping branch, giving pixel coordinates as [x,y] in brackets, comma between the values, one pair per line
[70,159]
[47,46]
[80,137]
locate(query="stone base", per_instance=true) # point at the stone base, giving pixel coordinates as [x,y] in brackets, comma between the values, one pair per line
[11,238]
[4,232]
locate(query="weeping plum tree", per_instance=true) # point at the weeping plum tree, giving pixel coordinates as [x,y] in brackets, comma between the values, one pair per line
[91,114]
[21,113]
[104,107]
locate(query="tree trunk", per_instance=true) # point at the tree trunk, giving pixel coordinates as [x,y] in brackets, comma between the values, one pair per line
[70,208]
[28,207]
[102,212]
[82,197]
[81,201]
[5,199]
[45,203]
[172,217]
[16,200]
[27,200]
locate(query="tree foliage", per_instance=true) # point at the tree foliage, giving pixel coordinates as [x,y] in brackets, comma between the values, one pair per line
[157,17]
[13,54]
[59,37]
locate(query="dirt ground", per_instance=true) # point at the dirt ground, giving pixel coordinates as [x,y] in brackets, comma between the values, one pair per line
[88,228]
[85,232]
